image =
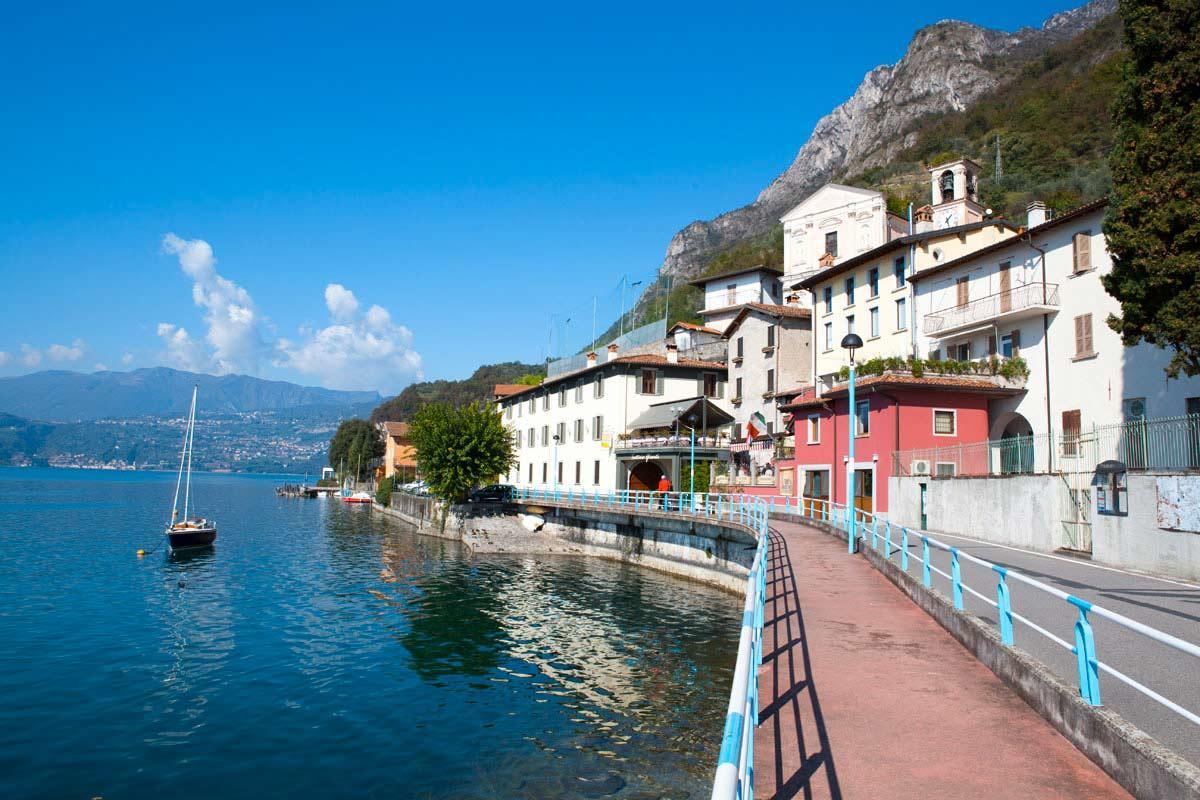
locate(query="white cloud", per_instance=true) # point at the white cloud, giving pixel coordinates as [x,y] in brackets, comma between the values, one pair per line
[30,356]
[4,358]
[61,352]
[356,351]
[100,367]
[127,359]
[229,312]
[183,351]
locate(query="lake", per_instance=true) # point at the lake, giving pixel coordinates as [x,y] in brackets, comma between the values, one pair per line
[320,650]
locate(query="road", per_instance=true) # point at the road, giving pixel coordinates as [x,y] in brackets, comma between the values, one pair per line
[1170,606]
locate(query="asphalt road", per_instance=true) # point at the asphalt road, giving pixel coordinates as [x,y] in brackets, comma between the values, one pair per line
[1170,606]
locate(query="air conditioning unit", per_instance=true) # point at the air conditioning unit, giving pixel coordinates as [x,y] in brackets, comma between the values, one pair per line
[919,467]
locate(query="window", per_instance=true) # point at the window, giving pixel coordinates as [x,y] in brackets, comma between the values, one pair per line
[814,428]
[945,422]
[596,473]
[560,472]
[831,243]
[710,384]
[828,299]
[1081,251]
[862,418]
[902,314]
[649,381]
[873,282]
[737,431]
[532,438]
[531,472]
[899,272]
[517,439]
[1083,336]
[579,430]
[850,324]
[828,336]
[850,291]
[740,344]
[737,388]
[1071,424]
[1016,343]
[945,469]
[579,391]
[770,381]
[1006,345]
[532,404]
[561,433]
[770,336]
[598,387]
[964,352]
[935,354]
[963,288]
[562,396]
[546,402]
[770,428]
[731,294]
[520,409]
[597,428]
[545,435]
[508,412]
[578,472]
[874,313]
[545,471]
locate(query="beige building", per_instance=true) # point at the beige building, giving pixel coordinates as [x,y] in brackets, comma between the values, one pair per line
[399,457]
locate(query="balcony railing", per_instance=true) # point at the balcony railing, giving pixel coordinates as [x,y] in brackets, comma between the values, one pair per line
[670,441]
[1022,298]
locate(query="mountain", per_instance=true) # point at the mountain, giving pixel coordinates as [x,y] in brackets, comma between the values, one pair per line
[946,68]
[473,389]
[60,395]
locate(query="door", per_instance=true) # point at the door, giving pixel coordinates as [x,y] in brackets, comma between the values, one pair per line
[1005,287]
[1134,448]
[924,518]
[864,490]
[644,477]
[816,492]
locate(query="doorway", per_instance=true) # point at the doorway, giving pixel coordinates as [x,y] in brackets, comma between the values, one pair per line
[816,493]
[924,515]
[864,490]
[644,477]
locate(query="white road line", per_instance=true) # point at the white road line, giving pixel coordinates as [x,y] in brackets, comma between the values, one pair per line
[1070,560]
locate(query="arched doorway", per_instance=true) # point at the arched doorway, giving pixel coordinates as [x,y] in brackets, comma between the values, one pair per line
[645,476]
[1015,435]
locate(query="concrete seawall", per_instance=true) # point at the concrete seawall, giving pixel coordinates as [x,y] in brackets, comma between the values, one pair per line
[714,553]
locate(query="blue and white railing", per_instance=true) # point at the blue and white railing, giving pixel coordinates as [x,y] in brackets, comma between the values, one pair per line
[735,765]
[896,541]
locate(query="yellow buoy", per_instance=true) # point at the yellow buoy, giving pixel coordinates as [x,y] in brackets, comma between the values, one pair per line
[141,552]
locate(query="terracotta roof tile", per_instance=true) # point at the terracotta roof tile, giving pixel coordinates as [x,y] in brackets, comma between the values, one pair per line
[655,360]
[691,326]
[398,429]
[505,389]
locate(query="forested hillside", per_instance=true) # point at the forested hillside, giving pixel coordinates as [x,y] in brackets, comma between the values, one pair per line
[477,387]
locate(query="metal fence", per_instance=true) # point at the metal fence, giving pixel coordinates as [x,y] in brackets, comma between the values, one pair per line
[645,336]
[1164,443]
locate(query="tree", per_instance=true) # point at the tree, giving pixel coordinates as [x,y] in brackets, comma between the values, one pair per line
[1153,224]
[460,447]
[383,495]
[530,379]
[353,446]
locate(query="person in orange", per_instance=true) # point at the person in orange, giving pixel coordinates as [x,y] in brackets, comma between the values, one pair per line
[664,486]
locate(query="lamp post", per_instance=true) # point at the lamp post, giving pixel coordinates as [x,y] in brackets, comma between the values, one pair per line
[555,476]
[851,342]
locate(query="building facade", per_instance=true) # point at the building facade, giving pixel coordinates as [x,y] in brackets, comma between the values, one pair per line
[725,294]
[399,457]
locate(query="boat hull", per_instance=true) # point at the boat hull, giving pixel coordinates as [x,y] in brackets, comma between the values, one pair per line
[191,537]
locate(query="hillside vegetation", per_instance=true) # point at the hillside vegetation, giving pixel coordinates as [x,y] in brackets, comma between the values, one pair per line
[403,406]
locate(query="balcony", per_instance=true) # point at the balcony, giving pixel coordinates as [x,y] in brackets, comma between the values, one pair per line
[670,442]
[1023,301]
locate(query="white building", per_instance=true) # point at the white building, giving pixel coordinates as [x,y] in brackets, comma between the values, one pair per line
[575,431]
[725,294]
[1038,296]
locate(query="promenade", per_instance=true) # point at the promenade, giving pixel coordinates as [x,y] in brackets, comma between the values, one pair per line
[864,695]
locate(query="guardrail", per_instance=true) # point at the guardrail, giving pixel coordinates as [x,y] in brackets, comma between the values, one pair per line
[896,540]
[1018,298]
[735,763]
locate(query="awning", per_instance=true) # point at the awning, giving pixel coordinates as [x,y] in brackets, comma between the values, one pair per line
[694,412]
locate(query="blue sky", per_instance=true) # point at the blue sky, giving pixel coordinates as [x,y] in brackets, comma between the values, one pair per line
[456,172]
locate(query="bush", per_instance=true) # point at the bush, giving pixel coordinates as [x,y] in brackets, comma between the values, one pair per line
[383,495]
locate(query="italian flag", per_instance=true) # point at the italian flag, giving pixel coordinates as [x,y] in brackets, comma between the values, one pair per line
[756,425]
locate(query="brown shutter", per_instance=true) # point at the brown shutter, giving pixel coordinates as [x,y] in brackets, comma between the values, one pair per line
[1071,424]
[1083,251]
[991,345]
[963,286]
[1087,333]
[1016,340]
[1079,335]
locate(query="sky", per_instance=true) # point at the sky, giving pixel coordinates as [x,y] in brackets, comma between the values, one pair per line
[359,196]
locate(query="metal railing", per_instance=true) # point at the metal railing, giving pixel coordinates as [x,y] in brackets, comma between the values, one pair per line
[648,335]
[735,762]
[1162,443]
[1030,295]
[672,440]
[896,541]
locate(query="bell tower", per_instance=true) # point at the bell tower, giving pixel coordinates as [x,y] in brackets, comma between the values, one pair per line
[955,193]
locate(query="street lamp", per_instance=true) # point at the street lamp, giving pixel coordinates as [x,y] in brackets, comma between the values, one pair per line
[851,342]
[556,466]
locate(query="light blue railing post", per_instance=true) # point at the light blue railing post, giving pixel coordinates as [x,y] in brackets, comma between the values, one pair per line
[1004,606]
[926,578]
[1085,653]
[887,539]
[904,548]
[956,578]
[787,505]
[875,534]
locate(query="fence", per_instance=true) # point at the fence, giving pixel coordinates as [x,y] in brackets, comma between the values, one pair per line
[735,763]
[1165,443]
[641,338]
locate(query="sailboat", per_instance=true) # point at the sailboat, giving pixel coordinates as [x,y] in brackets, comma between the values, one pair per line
[188,531]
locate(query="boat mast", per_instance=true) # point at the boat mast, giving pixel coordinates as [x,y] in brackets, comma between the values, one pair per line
[182,457]
[187,491]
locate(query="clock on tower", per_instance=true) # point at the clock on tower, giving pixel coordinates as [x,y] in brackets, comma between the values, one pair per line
[947,217]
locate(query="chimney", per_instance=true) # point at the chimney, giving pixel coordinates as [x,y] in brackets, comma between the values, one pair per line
[793,299]
[1035,214]
[923,219]
[591,359]
[672,354]
[612,350]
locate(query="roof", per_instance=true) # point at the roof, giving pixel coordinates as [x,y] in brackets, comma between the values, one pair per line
[734,273]
[858,190]
[895,244]
[691,326]
[648,360]
[397,429]
[505,389]
[903,380]
[777,311]
[690,412]
[1073,214]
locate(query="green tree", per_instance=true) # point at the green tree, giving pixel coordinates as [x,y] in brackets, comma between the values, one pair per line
[383,495]
[530,380]
[353,446]
[460,447]
[1153,223]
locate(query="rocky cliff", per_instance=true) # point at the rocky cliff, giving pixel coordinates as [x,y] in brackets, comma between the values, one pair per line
[945,68]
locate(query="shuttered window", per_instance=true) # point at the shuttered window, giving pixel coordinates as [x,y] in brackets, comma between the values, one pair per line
[1083,335]
[596,474]
[648,381]
[962,286]
[578,432]
[770,381]
[944,423]
[1071,425]
[597,427]
[770,336]
[1081,246]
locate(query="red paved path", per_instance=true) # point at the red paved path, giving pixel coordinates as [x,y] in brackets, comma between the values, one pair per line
[869,697]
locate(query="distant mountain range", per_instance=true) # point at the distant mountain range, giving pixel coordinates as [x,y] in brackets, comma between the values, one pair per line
[63,396]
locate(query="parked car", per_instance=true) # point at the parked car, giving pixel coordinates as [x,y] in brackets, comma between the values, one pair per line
[496,493]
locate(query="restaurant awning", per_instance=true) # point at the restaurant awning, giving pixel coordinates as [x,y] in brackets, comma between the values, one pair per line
[694,412]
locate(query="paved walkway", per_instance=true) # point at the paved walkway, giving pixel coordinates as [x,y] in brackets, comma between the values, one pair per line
[864,695]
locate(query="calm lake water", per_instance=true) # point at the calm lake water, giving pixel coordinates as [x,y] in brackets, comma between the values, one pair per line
[321,651]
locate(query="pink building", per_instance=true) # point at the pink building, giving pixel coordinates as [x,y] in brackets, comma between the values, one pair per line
[896,411]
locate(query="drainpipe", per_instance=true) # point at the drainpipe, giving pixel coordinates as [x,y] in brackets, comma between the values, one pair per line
[1045,355]
[896,426]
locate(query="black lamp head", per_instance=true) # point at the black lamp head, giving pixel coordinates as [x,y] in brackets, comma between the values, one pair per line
[851,342]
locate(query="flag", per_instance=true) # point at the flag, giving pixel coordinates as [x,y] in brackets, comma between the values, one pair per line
[752,427]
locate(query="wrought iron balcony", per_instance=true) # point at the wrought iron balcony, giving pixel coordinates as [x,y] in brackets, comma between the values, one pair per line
[1021,301]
